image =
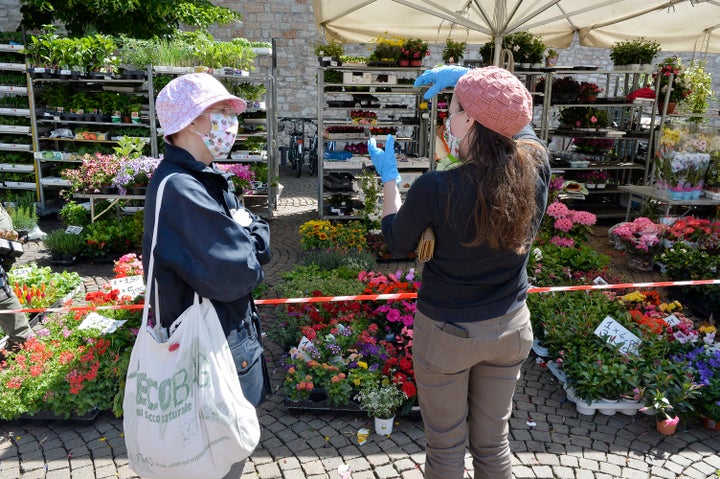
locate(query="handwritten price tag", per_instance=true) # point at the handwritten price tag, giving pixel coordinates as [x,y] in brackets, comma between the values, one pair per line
[672,320]
[73,230]
[617,335]
[130,286]
[21,272]
[104,324]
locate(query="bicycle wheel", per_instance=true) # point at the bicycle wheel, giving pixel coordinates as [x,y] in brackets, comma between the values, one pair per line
[298,165]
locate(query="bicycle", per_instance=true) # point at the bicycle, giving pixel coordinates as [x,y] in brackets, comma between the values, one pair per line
[297,151]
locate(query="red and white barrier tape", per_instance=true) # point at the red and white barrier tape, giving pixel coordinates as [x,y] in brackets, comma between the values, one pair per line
[385,297]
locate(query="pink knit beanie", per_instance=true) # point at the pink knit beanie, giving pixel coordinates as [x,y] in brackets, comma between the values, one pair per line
[496,99]
[185,97]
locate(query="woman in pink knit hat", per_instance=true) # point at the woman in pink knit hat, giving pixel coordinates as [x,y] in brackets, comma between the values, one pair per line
[207,243]
[472,329]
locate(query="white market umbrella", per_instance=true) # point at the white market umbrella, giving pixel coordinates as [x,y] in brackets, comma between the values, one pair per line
[678,25]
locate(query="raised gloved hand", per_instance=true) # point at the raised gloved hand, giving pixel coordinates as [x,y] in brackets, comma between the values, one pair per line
[440,78]
[384,161]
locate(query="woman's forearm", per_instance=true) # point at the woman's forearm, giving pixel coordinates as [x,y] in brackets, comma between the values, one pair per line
[391,198]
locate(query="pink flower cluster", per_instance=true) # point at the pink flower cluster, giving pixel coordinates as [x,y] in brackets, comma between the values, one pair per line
[640,234]
[567,222]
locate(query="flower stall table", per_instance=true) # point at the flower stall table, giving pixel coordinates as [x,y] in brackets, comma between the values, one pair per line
[650,192]
[113,199]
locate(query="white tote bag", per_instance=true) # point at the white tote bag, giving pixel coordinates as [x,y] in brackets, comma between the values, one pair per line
[185,416]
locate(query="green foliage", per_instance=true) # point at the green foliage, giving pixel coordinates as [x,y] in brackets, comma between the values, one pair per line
[73,213]
[453,50]
[584,117]
[638,50]
[129,147]
[331,49]
[58,241]
[525,47]
[558,265]
[303,280]
[24,213]
[700,83]
[146,19]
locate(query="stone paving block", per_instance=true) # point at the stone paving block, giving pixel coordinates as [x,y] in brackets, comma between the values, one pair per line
[612,469]
[588,464]
[563,472]
[547,459]
[378,459]
[412,474]
[387,471]
[312,468]
[661,472]
[523,472]
[287,463]
[404,465]
[268,470]
[34,474]
[105,471]
[543,472]
[584,474]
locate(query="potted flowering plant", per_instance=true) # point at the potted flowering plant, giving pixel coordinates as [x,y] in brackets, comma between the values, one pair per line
[241,176]
[593,146]
[95,174]
[413,50]
[70,370]
[671,67]
[381,401]
[589,91]
[641,240]
[134,174]
[453,51]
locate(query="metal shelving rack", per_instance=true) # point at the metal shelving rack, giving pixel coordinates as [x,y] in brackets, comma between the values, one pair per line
[379,83]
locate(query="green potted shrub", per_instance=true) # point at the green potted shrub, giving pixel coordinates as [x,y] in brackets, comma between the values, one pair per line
[453,51]
[387,50]
[328,54]
[629,53]
[64,247]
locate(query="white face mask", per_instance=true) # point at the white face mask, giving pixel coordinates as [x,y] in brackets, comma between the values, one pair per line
[221,137]
[453,142]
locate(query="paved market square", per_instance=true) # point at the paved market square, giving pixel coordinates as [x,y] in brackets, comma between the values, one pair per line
[549,439]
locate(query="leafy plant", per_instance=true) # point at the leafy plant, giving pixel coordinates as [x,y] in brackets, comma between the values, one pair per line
[73,213]
[60,242]
[453,51]
[700,82]
[331,49]
[638,50]
[145,19]
[24,213]
[381,400]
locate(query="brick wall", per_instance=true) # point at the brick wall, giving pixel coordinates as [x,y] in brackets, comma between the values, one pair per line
[292,24]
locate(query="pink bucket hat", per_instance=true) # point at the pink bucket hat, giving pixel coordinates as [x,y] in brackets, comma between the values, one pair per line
[184,98]
[496,99]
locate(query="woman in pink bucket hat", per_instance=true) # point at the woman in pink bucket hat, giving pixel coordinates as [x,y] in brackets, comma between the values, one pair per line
[206,241]
[472,327]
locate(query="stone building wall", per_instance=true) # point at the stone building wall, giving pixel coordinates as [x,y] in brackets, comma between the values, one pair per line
[292,25]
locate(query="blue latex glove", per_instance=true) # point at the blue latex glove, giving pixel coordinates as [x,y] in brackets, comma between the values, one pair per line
[384,161]
[440,78]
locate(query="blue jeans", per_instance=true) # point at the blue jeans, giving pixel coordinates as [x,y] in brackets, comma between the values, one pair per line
[247,352]
[465,390]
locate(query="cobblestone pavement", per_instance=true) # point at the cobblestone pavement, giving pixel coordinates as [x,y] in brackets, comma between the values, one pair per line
[549,438]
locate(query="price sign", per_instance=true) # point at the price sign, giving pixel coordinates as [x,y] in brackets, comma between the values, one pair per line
[73,230]
[672,320]
[104,324]
[617,335]
[21,272]
[129,286]
[599,280]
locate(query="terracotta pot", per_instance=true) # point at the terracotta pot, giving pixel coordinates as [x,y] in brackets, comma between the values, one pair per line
[404,63]
[415,63]
[667,426]
[713,425]
[670,107]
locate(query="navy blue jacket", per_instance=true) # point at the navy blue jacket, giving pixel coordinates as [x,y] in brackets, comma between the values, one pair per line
[461,283]
[199,246]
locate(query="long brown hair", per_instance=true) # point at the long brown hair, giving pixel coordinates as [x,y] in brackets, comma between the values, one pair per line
[504,172]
